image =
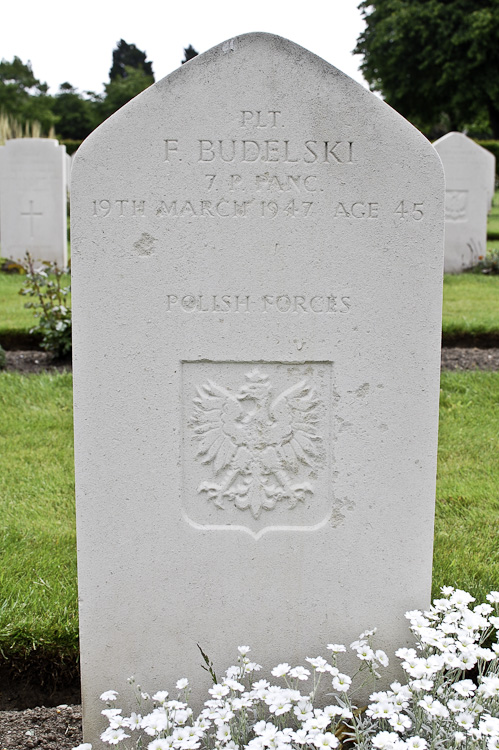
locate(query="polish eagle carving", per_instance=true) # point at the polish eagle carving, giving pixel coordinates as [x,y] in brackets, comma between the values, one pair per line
[455,205]
[259,446]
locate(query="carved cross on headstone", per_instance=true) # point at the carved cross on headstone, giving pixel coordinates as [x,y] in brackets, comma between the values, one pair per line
[31,213]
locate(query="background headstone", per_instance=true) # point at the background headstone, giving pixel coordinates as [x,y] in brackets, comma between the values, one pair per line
[257,270]
[69,164]
[490,161]
[468,168]
[33,202]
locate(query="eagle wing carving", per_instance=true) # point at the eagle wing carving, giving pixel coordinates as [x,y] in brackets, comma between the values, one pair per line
[258,446]
[212,407]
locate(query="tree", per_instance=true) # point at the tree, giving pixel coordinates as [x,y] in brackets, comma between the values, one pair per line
[76,115]
[435,61]
[130,74]
[127,56]
[120,91]
[23,96]
[189,53]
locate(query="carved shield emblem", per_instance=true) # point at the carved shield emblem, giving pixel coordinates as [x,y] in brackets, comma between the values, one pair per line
[256,445]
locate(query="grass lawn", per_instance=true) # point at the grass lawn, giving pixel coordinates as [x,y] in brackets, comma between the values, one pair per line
[38,601]
[13,315]
[471,304]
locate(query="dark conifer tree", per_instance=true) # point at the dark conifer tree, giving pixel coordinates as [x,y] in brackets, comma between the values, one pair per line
[128,56]
[189,53]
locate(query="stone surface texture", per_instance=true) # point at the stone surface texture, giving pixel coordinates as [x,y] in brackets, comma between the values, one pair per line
[33,204]
[257,268]
[469,176]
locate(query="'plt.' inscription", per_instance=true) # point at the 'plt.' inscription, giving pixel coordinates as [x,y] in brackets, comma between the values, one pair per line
[260,446]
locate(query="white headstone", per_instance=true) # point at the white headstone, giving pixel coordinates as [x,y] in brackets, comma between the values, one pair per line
[256,368]
[491,174]
[69,164]
[468,182]
[33,203]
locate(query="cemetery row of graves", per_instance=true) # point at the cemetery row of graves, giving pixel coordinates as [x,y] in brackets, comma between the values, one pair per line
[38,616]
[256,378]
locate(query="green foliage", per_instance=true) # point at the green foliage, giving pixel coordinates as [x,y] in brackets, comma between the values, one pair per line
[435,62]
[208,665]
[76,116]
[7,265]
[490,264]
[50,305]
[3,359]
[23,96]
[20,77]
[71,144]
[493,147]
[121,90]
[126,56]
[130,74]
[493,220]
[69,115]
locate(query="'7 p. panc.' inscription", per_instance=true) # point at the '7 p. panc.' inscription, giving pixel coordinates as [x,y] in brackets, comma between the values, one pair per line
[260,447]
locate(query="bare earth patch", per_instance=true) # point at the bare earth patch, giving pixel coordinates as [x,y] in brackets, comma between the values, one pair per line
[453,358]
[35,362]
[457,358]
[45,728]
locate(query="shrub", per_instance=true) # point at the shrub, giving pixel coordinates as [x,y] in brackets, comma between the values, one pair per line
[489,263]
[493,147]
[7,265]
[50,305]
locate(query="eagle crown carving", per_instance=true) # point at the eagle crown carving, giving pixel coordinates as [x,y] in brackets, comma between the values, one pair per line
[261,448]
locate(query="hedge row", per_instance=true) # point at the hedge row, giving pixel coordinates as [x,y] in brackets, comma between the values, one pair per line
[493,147]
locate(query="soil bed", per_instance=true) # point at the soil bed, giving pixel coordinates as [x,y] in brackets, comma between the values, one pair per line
[453,358]
[45,728]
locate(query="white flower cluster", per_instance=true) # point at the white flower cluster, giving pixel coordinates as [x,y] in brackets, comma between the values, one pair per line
[441,706]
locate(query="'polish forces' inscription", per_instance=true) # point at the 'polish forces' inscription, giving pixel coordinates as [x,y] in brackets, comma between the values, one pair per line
[267,303]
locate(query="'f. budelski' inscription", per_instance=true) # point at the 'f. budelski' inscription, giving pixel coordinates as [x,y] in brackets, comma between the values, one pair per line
[249,150]
[273,149]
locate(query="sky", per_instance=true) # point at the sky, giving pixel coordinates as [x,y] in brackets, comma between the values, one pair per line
[73,41]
